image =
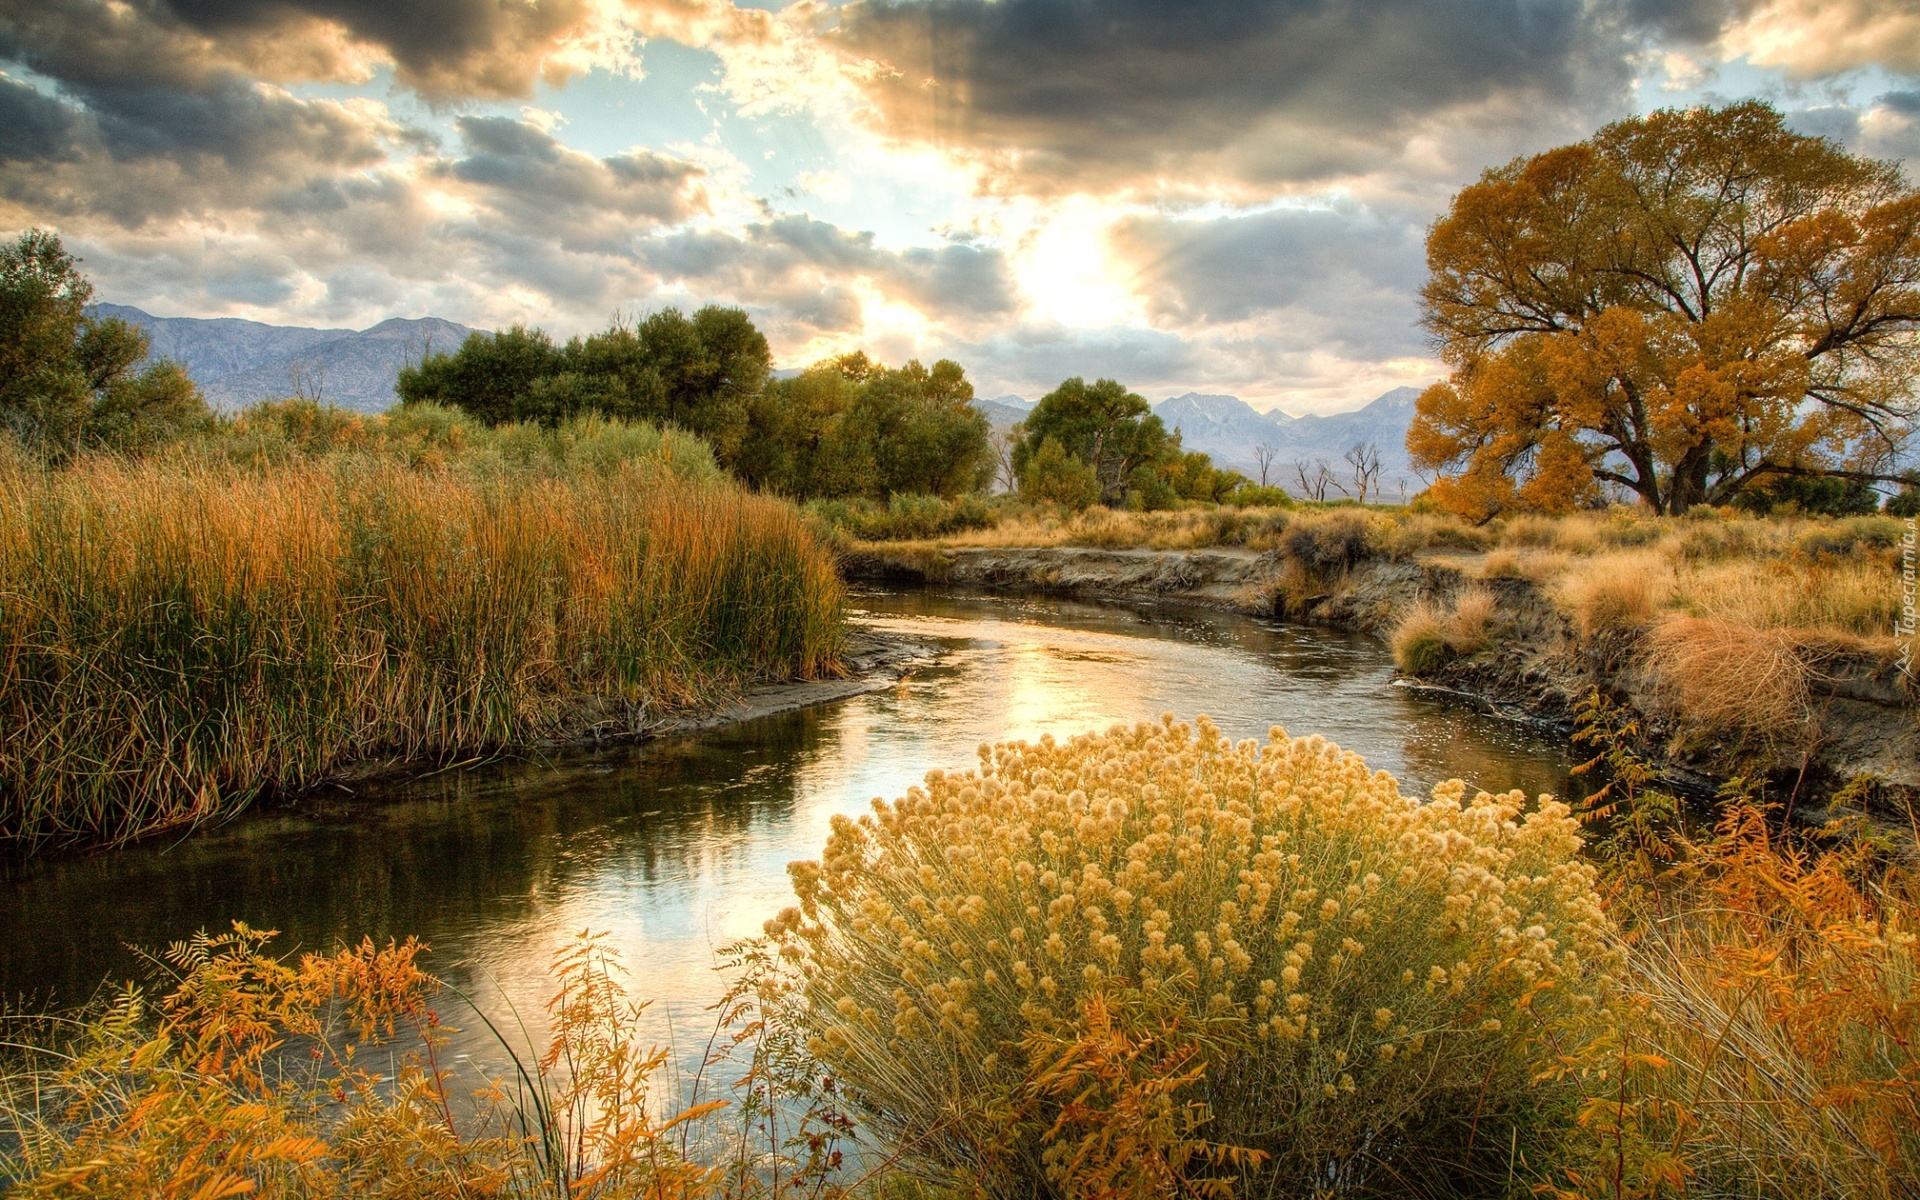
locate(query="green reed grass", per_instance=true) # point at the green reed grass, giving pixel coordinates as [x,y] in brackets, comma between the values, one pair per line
[179,635]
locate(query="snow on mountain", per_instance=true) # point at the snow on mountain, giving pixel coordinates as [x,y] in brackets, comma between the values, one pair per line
[1229,430]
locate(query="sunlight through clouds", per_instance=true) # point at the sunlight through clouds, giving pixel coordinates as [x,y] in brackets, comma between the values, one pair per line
[1034,188]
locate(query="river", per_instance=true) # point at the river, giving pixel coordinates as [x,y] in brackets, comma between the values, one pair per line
[678,846]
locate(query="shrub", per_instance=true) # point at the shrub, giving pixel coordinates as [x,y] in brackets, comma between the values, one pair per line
[1613,592]
[1057,477]
[1253,495]
[1357,988]
[1420,642]
[1327,541]
[1840,539]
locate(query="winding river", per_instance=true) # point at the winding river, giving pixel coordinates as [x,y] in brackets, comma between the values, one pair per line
[679,846]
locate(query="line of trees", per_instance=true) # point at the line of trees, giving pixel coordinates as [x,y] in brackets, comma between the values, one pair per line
[848,427]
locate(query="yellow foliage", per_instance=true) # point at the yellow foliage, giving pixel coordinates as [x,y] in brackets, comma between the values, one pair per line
[1772,1040]
[1359,977]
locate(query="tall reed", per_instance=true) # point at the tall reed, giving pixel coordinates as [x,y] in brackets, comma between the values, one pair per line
[177,636]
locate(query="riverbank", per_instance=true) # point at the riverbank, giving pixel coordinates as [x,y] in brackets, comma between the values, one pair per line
[1529,659]
[184,633]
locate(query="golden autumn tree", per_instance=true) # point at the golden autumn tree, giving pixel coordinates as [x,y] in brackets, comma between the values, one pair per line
[1685,305]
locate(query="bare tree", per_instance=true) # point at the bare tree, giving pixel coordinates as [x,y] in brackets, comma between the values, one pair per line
[1364,458]
[1003,441]
[1263,456]
[308,381]
[1316,478]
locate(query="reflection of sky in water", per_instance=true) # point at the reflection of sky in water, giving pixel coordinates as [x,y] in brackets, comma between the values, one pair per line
[679,847]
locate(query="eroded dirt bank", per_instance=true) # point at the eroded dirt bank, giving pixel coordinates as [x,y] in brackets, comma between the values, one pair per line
[1535,669]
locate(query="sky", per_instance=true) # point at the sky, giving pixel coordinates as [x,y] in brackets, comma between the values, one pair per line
[1218,196]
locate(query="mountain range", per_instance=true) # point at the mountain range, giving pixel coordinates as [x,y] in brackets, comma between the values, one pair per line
[237,363]
[1229,430]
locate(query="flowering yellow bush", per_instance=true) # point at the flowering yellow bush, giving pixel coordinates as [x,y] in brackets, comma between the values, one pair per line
[1352,988]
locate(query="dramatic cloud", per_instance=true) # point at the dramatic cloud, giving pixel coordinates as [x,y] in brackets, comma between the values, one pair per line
[444,48]
[533,181]
[1314,280]
[813,274]
[1227,195]
[1061,94]
[1824,37]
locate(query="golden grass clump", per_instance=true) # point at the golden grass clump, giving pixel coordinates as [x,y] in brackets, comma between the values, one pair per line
[1729,677]
[1614,591]
[1419,641]
[177,635]
[1427,638]
[1341,983]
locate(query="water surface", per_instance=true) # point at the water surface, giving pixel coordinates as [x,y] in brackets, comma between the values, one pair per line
[680,846]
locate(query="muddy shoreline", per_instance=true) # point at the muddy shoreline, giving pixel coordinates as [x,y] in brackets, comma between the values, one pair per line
[1538,671]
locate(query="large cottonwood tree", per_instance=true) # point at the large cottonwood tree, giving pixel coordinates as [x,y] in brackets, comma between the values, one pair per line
[1686,305]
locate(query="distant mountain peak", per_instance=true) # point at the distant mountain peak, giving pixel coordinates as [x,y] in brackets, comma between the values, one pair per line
[1230,431]
[238,362]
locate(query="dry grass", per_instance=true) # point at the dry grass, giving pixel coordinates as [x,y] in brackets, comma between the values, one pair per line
[1470,629]
[1614,591]
[1419,641]
[1770,1040]
[1021,527]
[197,1098]
[177,636]
[1427,637]
[1730,677]
[1856,599]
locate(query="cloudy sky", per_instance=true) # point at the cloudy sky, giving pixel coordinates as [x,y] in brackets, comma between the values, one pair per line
[1222,195]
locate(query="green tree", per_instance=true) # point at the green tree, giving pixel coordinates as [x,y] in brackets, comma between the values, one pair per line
[1685,305]
[1110,429]
[910,431]
[1812,494]
[699,373]
[490,376]
[70,381]
[1050,475]
[787,447]
[1192,476]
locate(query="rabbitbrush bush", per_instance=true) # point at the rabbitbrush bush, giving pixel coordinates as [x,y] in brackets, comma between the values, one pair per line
[1154,956]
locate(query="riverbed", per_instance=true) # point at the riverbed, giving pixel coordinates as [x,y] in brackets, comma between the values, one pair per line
[677,847]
